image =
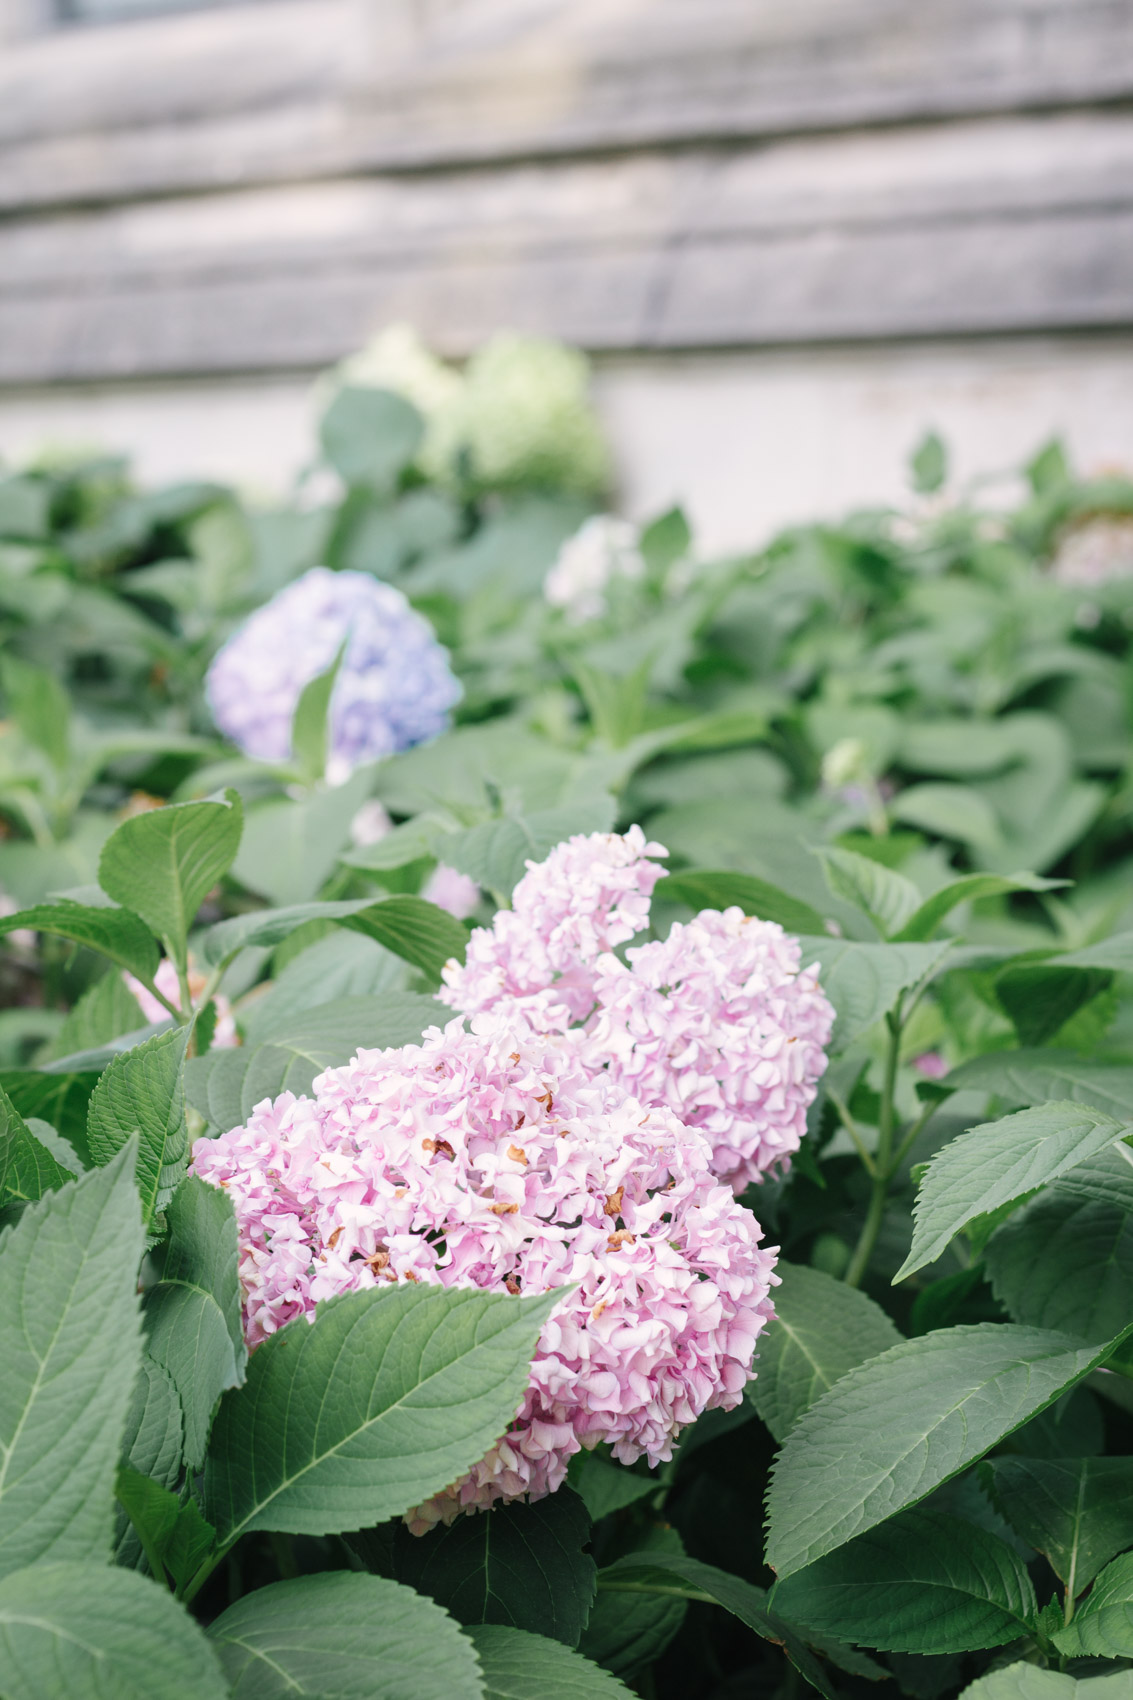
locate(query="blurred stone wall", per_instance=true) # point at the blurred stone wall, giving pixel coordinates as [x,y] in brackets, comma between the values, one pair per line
[795,233]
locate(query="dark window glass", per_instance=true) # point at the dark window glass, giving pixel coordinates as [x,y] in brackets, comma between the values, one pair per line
[107,11]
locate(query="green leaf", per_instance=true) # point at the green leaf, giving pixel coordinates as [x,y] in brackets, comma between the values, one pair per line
[370,436]
[310,724]
[725,890]
[1034,1076]
[1102,1627]
[291,845]
[520,1565]
[340,1636]
[151,1445]
[888,898]
[948,1397]
[1065,1260]
[59,1099]
[163,864]
[27,1167]
[40,708]
[924,1582]
[668,1572]
[106,1011]
[604,1485]
[141,1092]
[495,853]
[116,933]
[389,1397]
[1078,1512]
[175,1536]
[76,1631]
[520,1666]
[864,981]
[1028,1682]
[928,464]
[192,1307]
[70,1343]
[627,1631]
[225,1086]
[951,811]
[822,1328]
[997,1162]
[923,922]
[416,931]
[1041,997]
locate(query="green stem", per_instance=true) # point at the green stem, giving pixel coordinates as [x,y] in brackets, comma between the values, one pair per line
[883,1164]
[197,1581]
[851,1128]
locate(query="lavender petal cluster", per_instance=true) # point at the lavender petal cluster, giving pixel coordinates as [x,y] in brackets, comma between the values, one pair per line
[495,1159]
[719,1023]
[395,687]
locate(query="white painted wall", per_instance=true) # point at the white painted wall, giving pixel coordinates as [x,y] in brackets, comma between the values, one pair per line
[747,441]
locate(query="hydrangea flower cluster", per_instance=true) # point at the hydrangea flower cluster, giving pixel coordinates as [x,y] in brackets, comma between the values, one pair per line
[225,1036]
[602,549]
[394,689]
[496,1159]
[716,1023]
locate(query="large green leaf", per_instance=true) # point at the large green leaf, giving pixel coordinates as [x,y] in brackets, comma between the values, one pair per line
[923,1582]
[116,933]
[59,1099]
[1034,1076]
[192,1307]
[1102,1627]
[174,1535]
[27,1167]
[923,922]
[948,1397]
[370,436]
[495,853]
[339,965]
[105,1012]
[1065,1260]
[413,929]
[341,1636]
[1029,1682]
[631,1629]
[80,1631]
[151,1444]
[226,1085]
[70,1342]
[674,1573]
[163,864]
[887,897]
[998,1162]
[1041,997]
[822,1328]
[141,1092]
[291,845]
[702,889]
[1078,1512]
[521,1565]
[605,1486]
[519,1666]
[864,981]
[389,1397]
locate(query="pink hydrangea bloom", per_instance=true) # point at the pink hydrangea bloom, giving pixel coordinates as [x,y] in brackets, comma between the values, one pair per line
[453,891]
[225,1036]
[716,1022]
[493,1159]
[590,895]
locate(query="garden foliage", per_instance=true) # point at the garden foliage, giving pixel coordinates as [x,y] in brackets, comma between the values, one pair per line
[906,739]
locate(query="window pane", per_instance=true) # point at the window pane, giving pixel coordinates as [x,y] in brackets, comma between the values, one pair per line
[95,11]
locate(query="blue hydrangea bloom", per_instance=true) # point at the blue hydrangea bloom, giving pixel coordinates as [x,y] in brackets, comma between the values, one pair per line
[394,689]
